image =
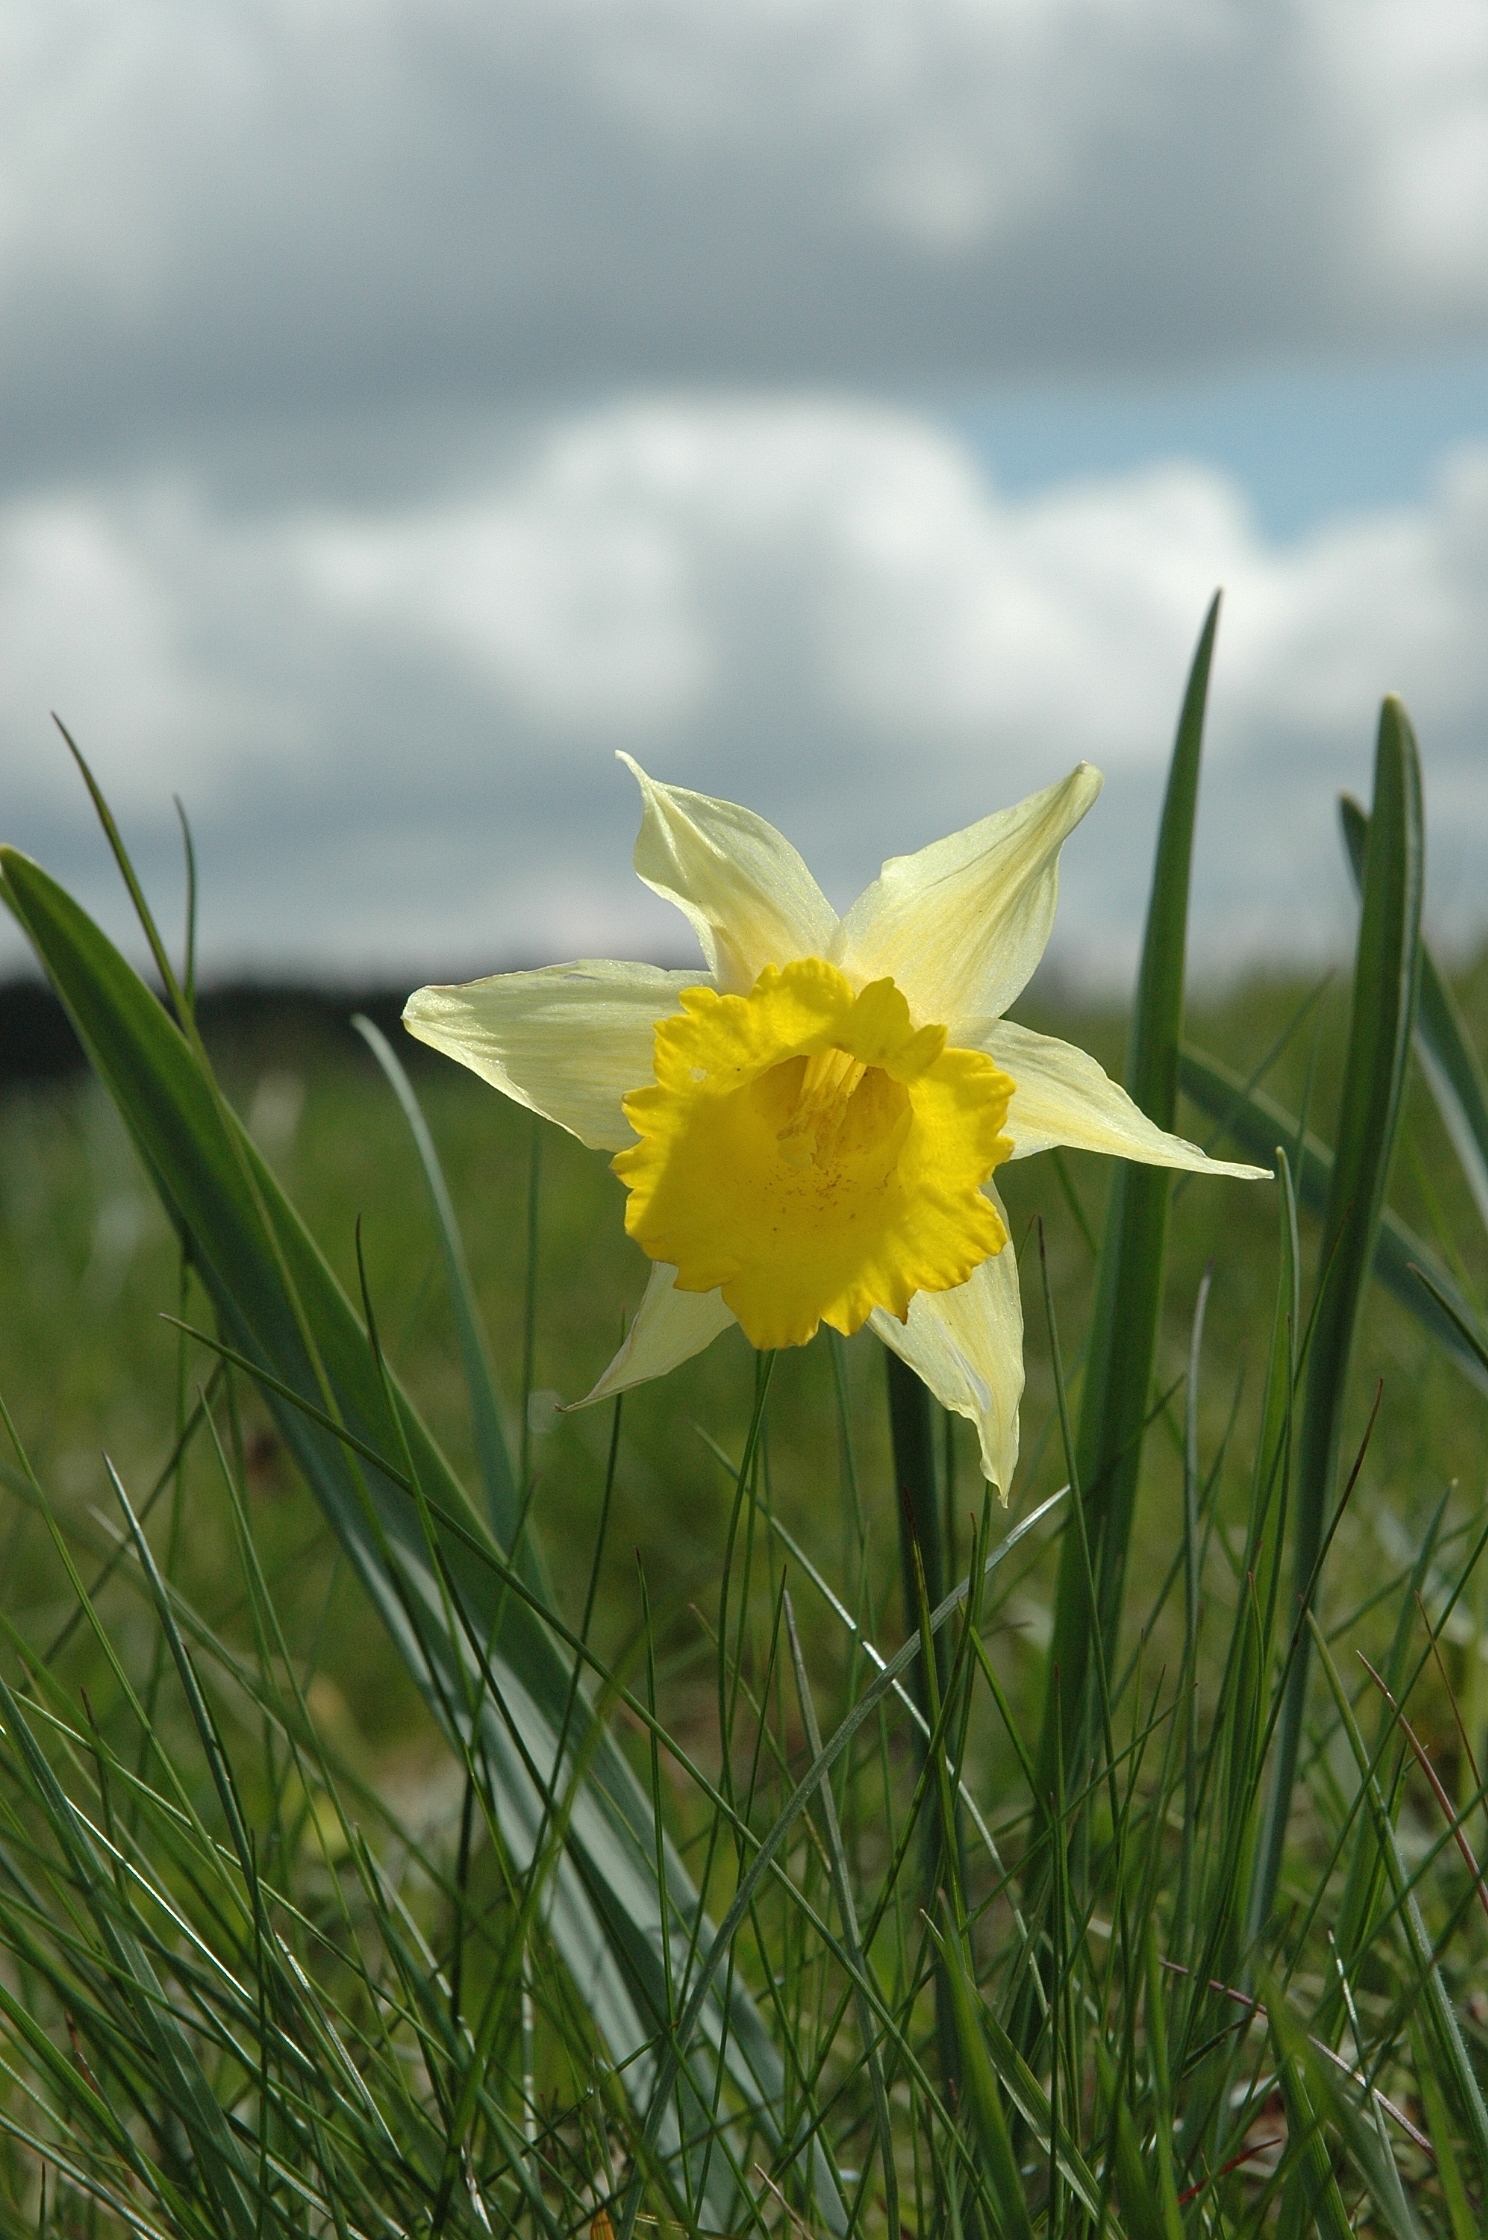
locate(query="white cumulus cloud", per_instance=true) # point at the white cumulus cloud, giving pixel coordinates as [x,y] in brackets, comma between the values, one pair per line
[394,725]
[247,207]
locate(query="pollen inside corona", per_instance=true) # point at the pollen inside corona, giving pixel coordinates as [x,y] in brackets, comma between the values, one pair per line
[811,1154]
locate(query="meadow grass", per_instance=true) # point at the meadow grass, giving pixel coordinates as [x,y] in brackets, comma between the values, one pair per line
[605,1833]
[88,1265]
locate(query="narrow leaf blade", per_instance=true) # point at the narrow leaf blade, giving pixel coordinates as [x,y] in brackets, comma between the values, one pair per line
[1129,1279]
[1453,1072]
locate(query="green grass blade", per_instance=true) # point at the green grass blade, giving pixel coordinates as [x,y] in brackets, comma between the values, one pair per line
[1129,1279]
[1382,1017]
[981,2098]
[1312,2202]
[1259,1124]
[851,1937]
[1148,2216]
[158,950]
[205,1724]
[1430,1997]
[1011,2074]
[1467,1332]
[1448,1060]
[1362,2133]
[183,2082]
[503,1501]
[1163,2077]
[271,1286]
[716,1954]
[1448,2170]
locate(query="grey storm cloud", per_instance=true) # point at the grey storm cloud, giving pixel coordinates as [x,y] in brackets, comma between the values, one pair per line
[409,402]
[271,210]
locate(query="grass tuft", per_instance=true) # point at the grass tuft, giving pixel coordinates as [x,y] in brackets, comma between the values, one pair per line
[425,1813]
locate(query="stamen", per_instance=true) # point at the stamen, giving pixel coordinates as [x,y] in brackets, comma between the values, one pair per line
[827,1087]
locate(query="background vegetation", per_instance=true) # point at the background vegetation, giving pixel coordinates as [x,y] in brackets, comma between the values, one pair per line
[88,1264]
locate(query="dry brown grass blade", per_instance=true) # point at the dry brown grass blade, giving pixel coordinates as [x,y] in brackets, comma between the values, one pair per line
[1418,1748]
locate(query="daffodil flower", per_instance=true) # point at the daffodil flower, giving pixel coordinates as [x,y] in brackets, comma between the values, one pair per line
[808,1130]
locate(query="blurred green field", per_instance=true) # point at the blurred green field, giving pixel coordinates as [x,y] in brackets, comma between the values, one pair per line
[88,1366]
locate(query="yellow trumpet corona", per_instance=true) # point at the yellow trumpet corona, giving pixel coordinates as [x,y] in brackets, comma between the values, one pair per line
[811,1155]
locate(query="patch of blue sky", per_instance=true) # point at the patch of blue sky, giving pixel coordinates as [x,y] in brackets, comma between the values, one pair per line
[1306,444]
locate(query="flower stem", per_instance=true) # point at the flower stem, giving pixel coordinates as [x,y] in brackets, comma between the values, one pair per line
[923,1573]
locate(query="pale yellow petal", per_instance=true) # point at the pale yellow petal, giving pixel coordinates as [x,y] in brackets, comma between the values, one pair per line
[670,1326]
[961,925]
[569,1041]
[751,899]
[967,1346]
[1061,1095]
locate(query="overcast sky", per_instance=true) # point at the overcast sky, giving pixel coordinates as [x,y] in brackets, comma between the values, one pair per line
[845,405]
